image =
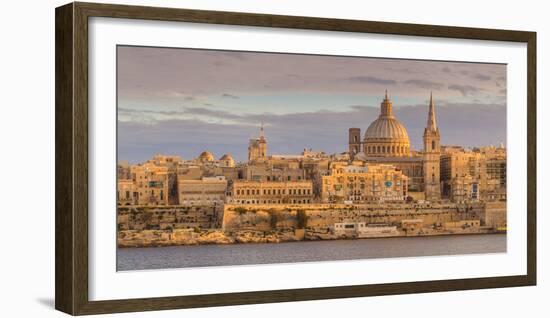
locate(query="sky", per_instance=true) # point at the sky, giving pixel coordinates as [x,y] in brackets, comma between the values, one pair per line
[184,101]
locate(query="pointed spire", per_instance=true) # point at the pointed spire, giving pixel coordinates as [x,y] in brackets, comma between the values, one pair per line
[386,98]
[431,115]
[262,130]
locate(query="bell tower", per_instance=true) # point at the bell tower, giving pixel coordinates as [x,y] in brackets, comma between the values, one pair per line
[354,141]
[431,157]
[257,148]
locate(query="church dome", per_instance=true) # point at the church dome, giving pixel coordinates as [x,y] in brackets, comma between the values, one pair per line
[386,128]
[228,160]
[386,136]
[206,156]
[226,157]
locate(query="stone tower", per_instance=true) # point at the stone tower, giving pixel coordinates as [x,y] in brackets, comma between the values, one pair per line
[257,148]
[354,141]
[432,153]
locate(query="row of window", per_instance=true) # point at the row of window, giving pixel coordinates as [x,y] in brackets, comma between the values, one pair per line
[279,178]
[294,201]
[202,202]
[194,198]
[387,149]
[137,194]
[273,191]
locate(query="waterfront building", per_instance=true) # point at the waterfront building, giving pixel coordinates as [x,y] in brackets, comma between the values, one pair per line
[208,191]
[364,230]
[271,192]
[127,193]
[471,175]
[363,184]
[151,184]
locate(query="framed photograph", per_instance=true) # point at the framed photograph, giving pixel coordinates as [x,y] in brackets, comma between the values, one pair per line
[211,158]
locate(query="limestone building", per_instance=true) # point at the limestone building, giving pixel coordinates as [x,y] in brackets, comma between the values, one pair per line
[151,184]
[471,175]
[208,191]
[272,192]
[363,184]
[127,193]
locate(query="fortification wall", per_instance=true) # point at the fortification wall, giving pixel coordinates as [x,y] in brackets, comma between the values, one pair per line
[169,217]
[280,216]
[294,216]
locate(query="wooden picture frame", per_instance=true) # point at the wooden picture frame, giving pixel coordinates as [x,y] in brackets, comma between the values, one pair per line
[71,122]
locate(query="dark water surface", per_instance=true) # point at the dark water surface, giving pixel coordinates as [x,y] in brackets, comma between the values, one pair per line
[306,251]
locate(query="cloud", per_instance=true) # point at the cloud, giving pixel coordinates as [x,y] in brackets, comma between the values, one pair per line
[371,80]
[210,112]
[424,84]
[465,90]
[226,95]
[147,111]
[206,112]
[150,73]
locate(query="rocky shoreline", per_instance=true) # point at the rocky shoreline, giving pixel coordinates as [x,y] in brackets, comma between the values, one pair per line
[188,237]
[155,238]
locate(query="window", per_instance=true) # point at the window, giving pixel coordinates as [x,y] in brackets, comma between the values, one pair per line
[433,144]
